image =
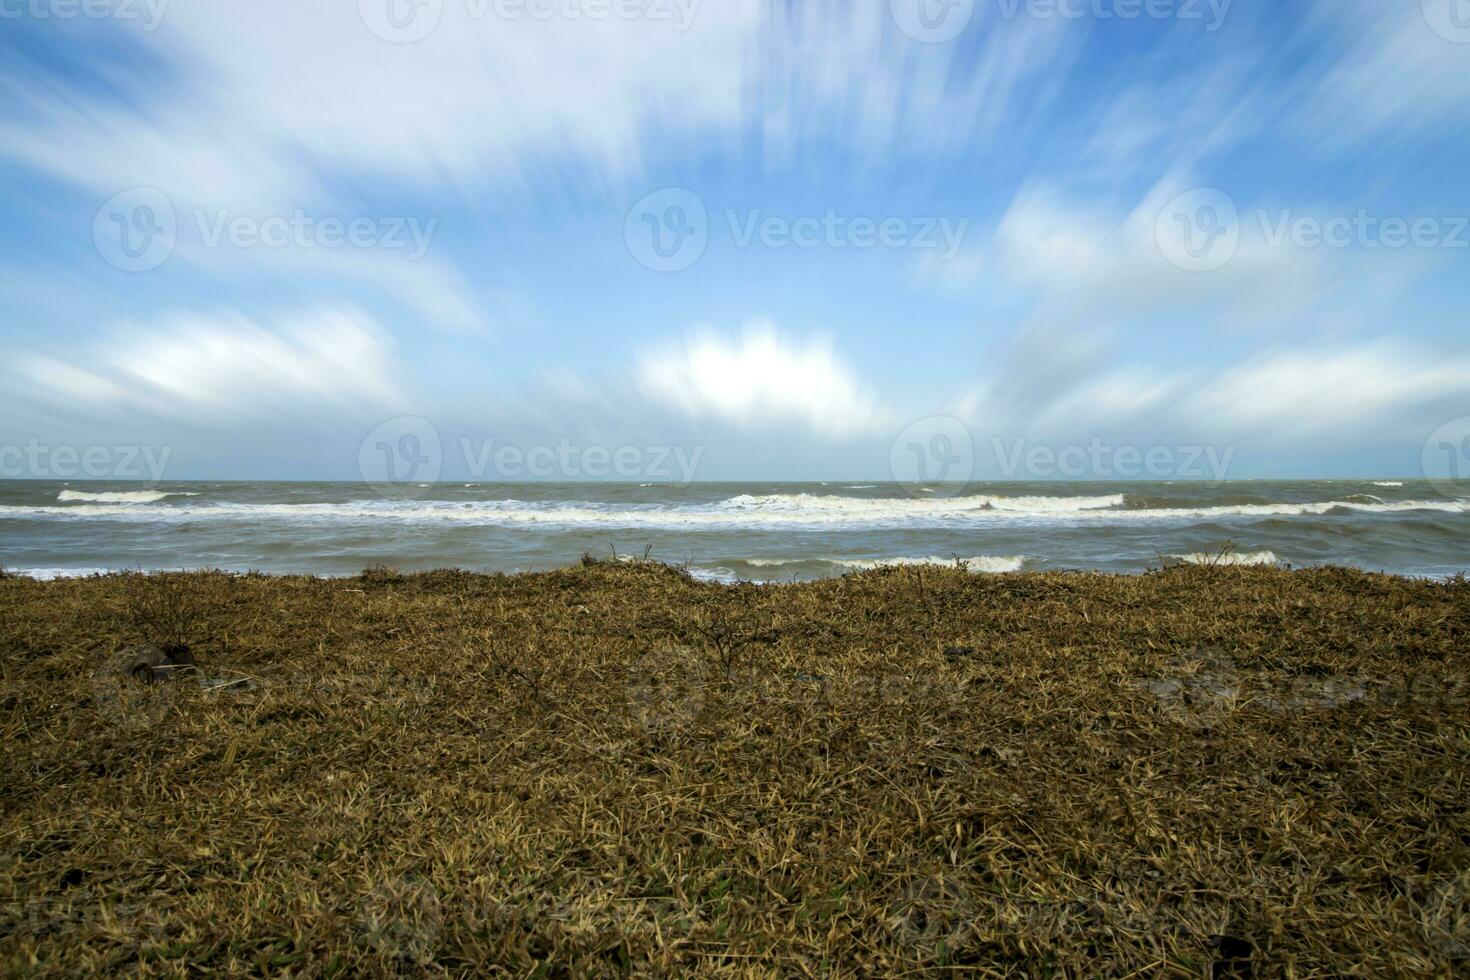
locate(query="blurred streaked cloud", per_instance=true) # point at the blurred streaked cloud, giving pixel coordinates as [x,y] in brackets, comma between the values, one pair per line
[518,143]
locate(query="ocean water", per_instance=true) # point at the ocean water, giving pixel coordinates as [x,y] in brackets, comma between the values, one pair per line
[728,531]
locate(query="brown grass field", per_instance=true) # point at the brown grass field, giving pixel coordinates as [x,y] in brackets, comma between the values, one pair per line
[613,769]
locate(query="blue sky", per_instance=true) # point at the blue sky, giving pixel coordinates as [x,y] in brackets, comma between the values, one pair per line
[876,219]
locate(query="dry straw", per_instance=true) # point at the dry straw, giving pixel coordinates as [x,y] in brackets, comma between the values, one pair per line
[615,769]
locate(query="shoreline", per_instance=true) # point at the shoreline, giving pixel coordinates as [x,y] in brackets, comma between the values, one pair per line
[611,768]
[856,566]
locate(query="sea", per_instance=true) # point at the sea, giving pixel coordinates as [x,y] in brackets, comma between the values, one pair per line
[761,532]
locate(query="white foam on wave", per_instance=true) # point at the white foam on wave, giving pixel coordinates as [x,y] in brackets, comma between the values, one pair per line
[120,496]
[48,574]
[1231,558]
[744,511]
[982,563]
[827,503]
[1387,483]
[724,576]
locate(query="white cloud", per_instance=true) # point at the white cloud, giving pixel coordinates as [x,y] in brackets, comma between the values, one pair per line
[279,98]
[841,73]
[280,93]
[1393,74]
[276,105]
[760,379]
[1344,394]
[1088,257]
[1370,388]
[221,369]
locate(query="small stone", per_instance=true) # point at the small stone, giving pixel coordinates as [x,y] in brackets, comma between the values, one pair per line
[157,665]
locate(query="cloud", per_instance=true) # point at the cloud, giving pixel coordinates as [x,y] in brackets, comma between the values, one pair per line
[283,98]
[1369,388]
[222,369]
[1099,256]
[280,106]
[842,74]
[266,108]
[284,95]
[1342,393]
[760,379]
[1394,75]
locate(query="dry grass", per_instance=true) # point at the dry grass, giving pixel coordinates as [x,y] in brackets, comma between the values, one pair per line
[613,769]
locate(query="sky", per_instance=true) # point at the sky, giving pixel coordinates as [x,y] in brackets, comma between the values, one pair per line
[775,240]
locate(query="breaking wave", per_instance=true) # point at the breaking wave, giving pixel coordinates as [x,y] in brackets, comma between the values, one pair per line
[981,564]
[119,497]
[742,511]
[1231,558]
